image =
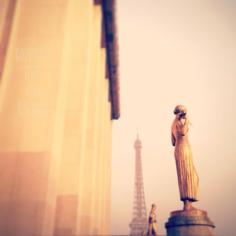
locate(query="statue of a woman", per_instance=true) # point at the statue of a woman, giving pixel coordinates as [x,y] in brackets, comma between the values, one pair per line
[187,176]
[152,222]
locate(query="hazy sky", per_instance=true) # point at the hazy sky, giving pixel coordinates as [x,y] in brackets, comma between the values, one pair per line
[176,52]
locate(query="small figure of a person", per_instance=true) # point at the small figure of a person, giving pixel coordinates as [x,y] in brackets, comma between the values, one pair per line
[152,221]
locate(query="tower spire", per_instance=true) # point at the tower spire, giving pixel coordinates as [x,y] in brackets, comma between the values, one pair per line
[137,133]
[138,224]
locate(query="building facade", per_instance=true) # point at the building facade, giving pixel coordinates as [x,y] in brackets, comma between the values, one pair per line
[59,93]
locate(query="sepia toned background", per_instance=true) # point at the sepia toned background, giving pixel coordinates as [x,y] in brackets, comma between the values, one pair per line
[176,52]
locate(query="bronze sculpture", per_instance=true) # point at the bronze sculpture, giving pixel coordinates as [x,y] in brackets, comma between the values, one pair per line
[189,221]
[152,221]
[187,176]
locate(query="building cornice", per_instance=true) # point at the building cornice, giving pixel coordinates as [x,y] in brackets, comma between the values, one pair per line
[111,44]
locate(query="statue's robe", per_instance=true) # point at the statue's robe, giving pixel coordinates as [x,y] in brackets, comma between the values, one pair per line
[152,224]
[187,176]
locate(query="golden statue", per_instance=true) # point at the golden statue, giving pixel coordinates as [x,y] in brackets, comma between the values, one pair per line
[187,176]
[152,221]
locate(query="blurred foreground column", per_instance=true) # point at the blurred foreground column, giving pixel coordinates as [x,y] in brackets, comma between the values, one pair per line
[58,96]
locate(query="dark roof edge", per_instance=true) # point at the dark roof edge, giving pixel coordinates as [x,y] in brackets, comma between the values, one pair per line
[109,16]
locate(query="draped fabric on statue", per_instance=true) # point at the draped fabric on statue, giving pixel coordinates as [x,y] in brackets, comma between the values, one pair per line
[152,224]
[187,176]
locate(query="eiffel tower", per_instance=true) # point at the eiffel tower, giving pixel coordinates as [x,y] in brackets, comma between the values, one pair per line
[138,224]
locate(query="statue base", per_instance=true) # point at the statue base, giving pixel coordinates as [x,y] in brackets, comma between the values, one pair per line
[189,223]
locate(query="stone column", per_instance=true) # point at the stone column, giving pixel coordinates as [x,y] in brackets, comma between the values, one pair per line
[30,94]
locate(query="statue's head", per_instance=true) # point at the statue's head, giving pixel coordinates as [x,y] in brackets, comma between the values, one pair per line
[154,206]
[180,110]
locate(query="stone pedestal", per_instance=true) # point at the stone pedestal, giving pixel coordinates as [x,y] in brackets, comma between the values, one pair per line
[189,223]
